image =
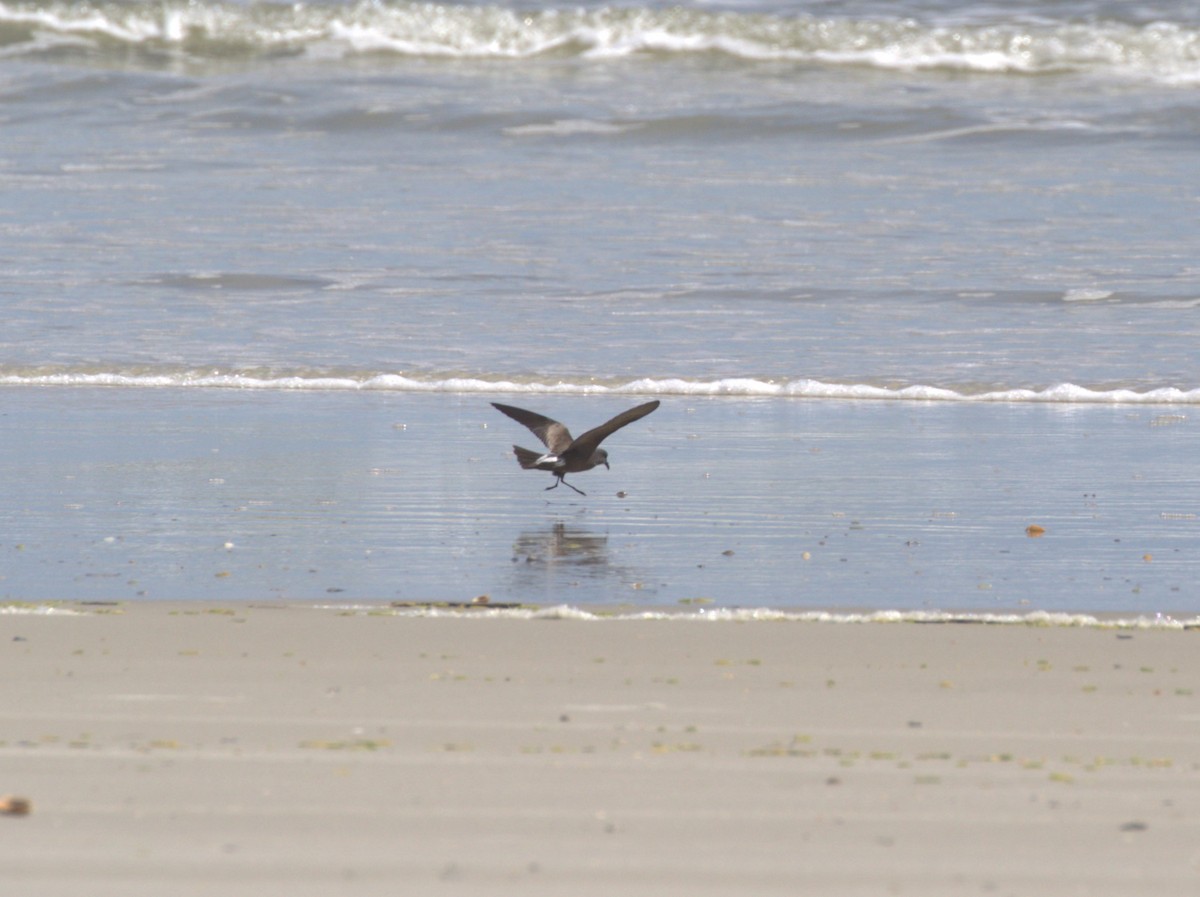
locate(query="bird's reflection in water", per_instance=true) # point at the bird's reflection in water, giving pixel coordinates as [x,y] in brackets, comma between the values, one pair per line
[548,562]
[559,546]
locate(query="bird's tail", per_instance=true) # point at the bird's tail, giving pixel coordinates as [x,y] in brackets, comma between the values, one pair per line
[526,458]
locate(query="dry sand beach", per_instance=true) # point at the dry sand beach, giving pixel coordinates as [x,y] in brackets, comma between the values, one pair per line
[183,749]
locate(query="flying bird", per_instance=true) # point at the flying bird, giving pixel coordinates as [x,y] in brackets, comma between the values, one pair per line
[567,455]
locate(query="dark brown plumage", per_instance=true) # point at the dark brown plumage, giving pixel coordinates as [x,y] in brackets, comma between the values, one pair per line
[566,455]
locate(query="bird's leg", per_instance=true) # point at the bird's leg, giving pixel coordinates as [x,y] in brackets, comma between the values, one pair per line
[555,486]
[580,491]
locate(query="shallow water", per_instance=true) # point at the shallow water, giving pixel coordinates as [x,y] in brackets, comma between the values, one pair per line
[118,494]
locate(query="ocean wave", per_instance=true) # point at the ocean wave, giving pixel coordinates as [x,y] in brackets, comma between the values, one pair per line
[218,29]
[745,387]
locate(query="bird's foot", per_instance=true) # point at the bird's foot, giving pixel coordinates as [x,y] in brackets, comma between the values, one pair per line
[565,483]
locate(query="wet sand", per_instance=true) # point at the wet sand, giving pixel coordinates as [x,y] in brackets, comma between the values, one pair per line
[186,749]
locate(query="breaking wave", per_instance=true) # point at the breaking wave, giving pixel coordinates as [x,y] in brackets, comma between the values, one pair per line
[746,387]
[1164,51]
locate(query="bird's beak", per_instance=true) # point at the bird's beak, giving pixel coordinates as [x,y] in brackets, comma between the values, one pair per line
[606,467]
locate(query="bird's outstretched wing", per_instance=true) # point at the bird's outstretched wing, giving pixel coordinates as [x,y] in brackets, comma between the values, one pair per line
[586,444]
[554,435]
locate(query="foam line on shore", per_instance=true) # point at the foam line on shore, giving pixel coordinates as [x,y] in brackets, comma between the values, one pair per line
[771,615]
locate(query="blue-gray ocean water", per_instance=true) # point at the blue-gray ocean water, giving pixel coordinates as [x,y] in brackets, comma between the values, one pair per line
[908,278]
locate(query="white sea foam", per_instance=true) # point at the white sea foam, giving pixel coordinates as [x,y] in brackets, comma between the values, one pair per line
[569,128]
[711,615]
[776,615]
[747,387]
[27,608]
[1164,51]
[1086,295]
